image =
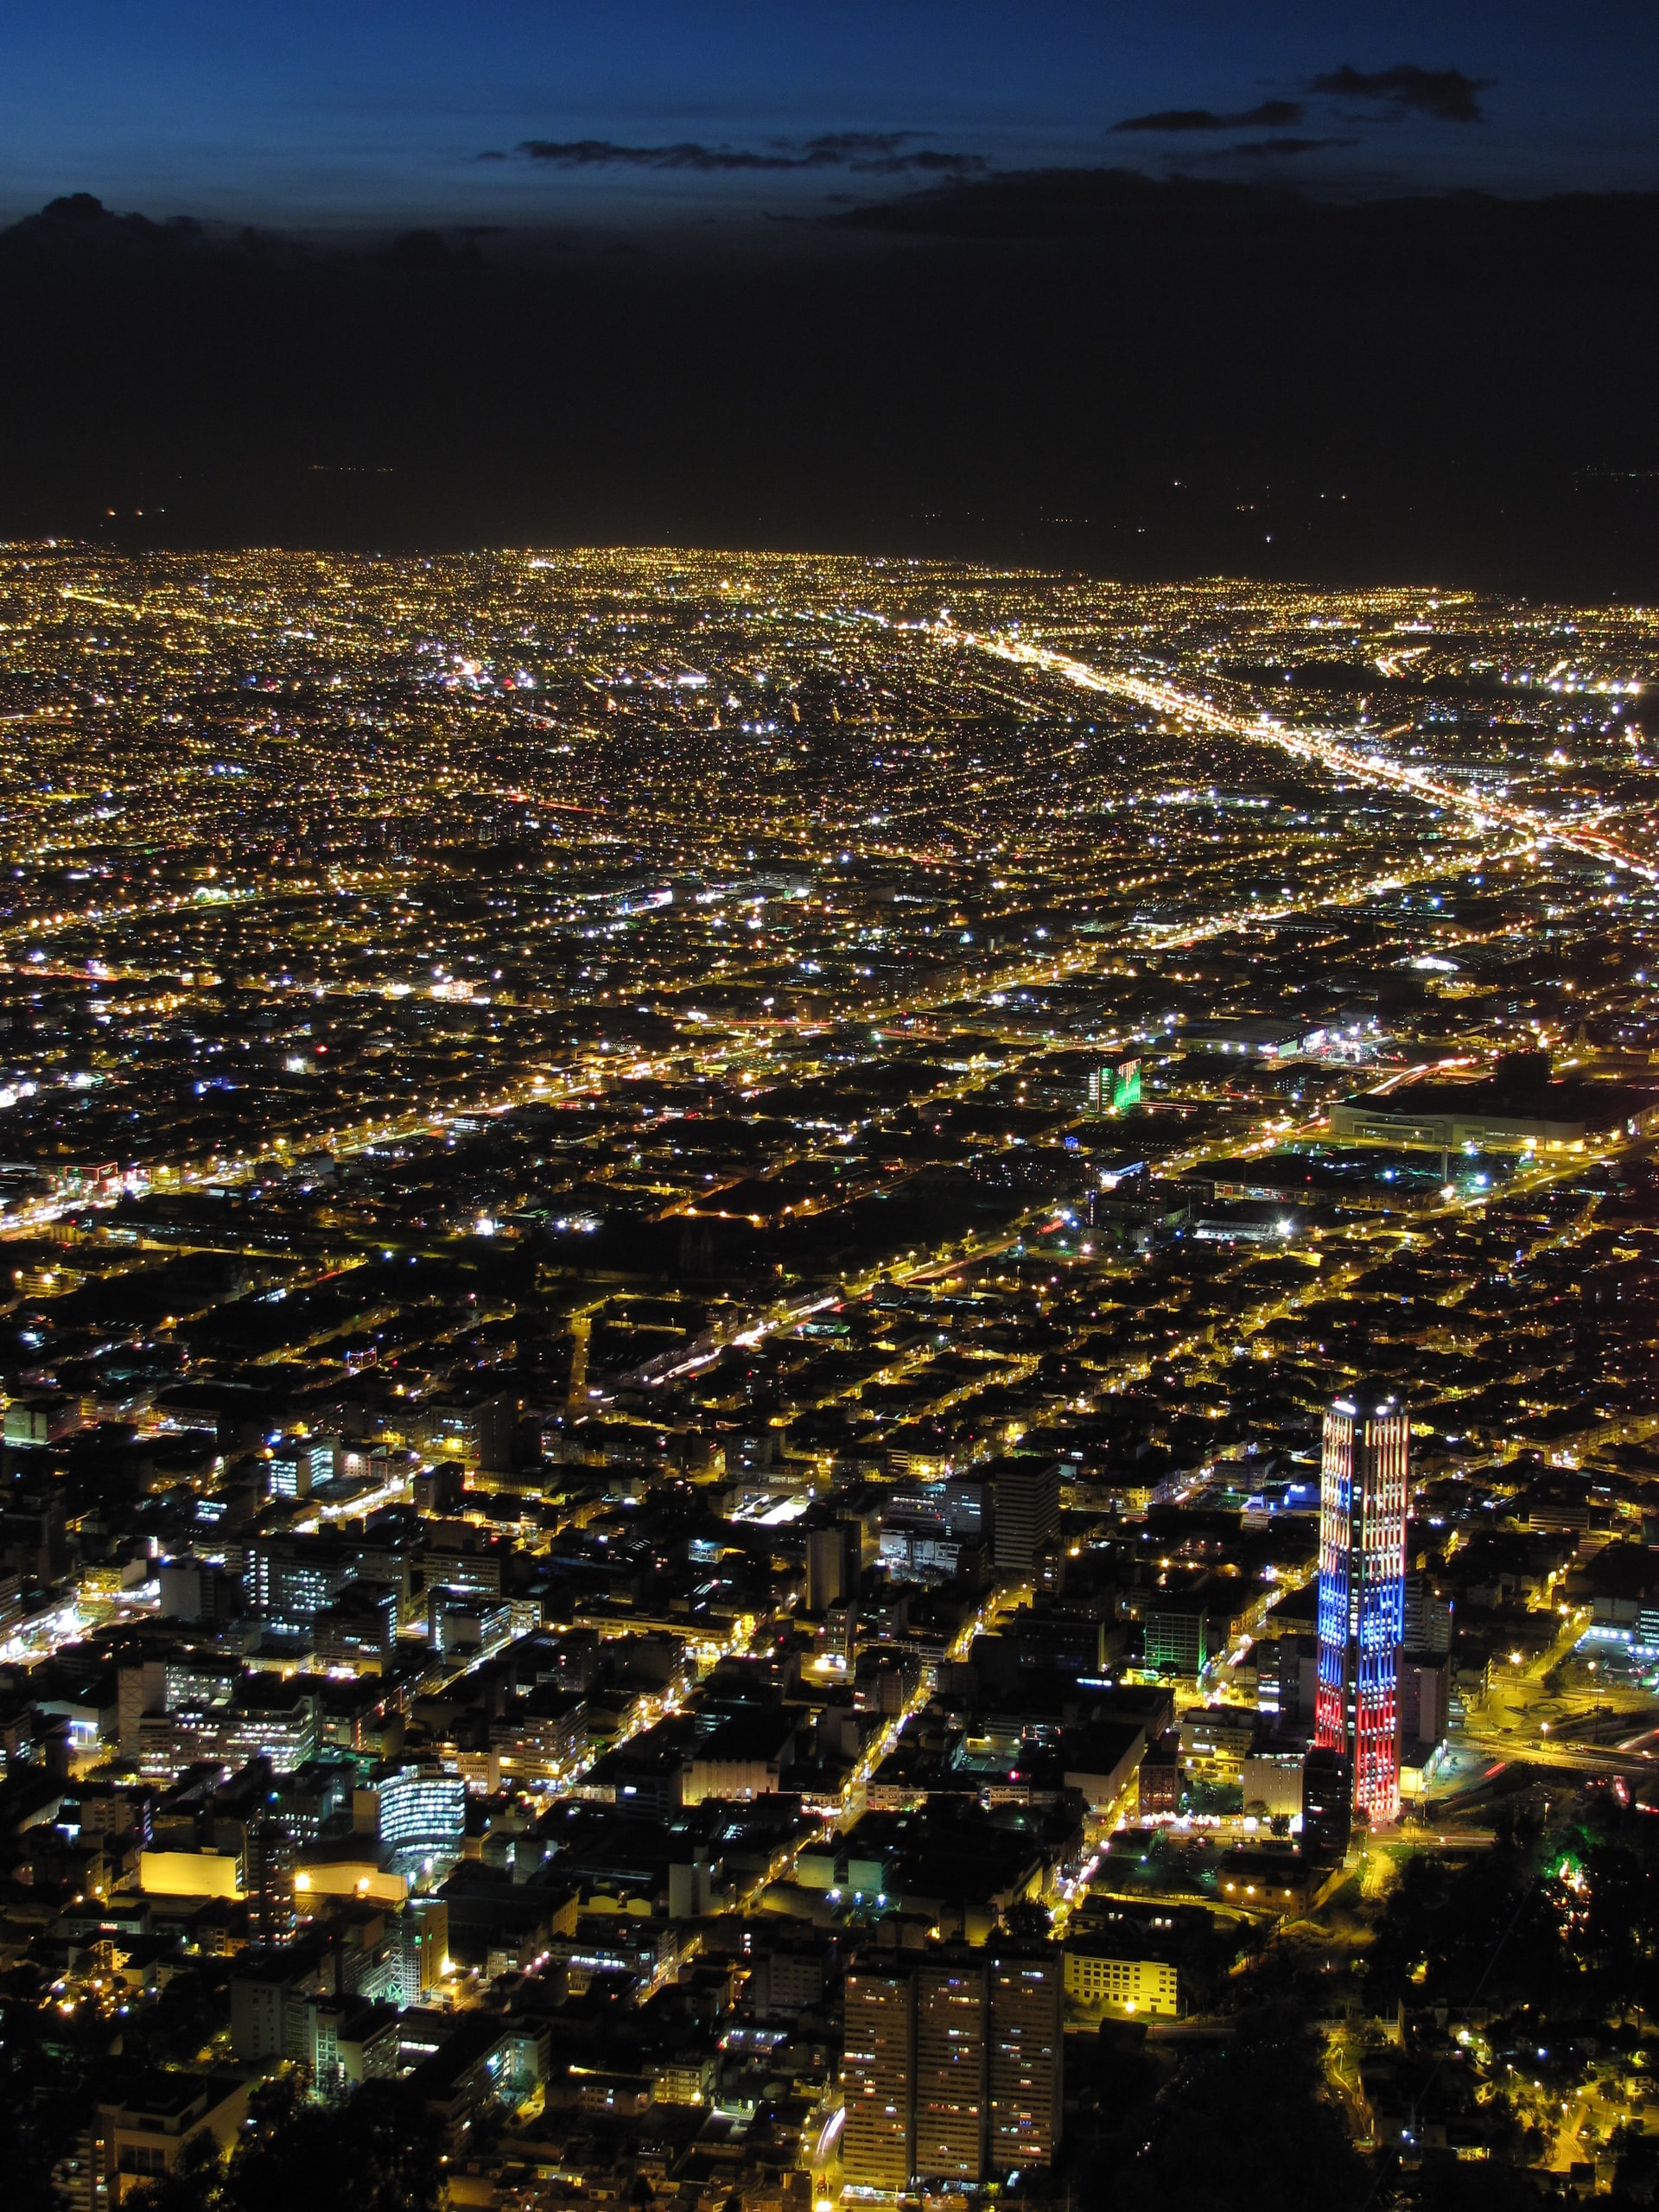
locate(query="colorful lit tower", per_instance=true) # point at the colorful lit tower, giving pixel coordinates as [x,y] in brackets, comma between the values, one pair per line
[1362,1592]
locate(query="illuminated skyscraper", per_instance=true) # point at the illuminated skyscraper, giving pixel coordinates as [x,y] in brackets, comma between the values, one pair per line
[1362,1592]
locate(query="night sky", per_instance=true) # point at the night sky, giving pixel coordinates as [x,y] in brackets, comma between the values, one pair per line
[1194,287]
[317,112]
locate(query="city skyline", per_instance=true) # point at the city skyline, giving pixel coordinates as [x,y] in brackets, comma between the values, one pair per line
[802,1356]
[828,1107]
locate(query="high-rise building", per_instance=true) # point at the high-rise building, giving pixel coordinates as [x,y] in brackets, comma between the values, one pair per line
[823,1554]
[1425,1698]
[832,1563]
[1426,1619]
[1362,1592]
[421,1809]
[1327,1807]
[1114,1086]
[1027,2046]
[1027,1504]
[878,2077]
[1176,1637]
[952,2065]
[950,2139]
[422,1949]
[1287,1675]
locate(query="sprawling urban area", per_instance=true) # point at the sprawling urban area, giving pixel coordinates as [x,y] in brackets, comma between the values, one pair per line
[826,1383]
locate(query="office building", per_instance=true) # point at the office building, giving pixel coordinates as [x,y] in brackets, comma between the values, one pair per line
[1361,1593]
[1327,1807]
[302,1464]
[1215,1739]
[832,1563]
[421,1948]
[1027,1498]
[1101,1972]
[1176,1639]
[1273,1785]
[1286,1683]
[423,1810]
[1425,1698]
[1114,1086]
[1426,1620]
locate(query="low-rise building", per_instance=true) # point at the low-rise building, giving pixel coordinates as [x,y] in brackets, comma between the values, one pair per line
[1097,1972]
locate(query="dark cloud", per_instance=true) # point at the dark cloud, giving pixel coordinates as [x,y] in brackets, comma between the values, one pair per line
[1270,115]
[852,143]
[1288,145]
[1446,94]
[606,154]
[1174,118]
[924,162]
[875,152]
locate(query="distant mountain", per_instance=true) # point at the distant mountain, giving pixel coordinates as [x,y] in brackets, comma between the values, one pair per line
[1081,368]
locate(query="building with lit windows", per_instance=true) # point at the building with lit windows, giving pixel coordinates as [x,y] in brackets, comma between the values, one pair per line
[1100,1973]
[1025,1492]
[422,1952]
[953,2066]
[950,2025]
[1114,1086]
[1027,2046]
[878,2075]
[1362,1593]
[422,1809]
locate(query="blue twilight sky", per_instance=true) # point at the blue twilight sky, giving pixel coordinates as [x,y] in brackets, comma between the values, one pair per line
[365,112]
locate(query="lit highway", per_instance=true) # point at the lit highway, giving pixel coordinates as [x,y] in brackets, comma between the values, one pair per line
[1329,749]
